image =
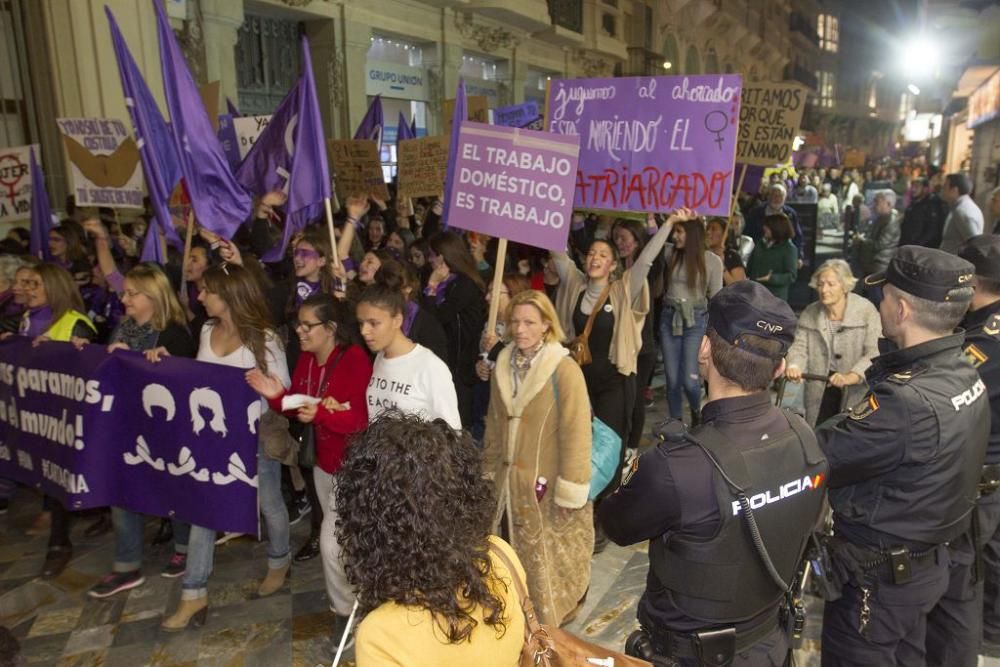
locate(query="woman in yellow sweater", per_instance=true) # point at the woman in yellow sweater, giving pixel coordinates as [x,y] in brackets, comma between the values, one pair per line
[417,549]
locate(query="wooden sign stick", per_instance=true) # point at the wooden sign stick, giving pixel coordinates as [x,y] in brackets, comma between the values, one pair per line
[491,324]
[333,237]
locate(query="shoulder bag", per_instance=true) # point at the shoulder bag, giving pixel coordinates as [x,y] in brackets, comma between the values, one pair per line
[307,434]
[579,347]
[605,450]
[546,646]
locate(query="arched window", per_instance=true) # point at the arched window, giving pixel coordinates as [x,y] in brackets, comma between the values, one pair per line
[711,61]
[671,54]
[692,63]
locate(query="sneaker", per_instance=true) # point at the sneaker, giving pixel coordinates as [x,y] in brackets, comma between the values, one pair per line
[339,627]
[175,567]
[299,508]
[647,396]
[222,538]
[116,582]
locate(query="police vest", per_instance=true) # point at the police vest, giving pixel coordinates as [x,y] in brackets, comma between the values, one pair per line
[724,579]
[62,329]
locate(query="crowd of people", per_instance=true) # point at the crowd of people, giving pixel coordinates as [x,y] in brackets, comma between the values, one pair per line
[485,459]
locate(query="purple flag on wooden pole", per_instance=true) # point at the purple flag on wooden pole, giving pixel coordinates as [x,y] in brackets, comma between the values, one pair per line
[41,212]
[458,116]
[231,109]
[373,122]
[219,203]
[152,249]
[156,146]
[290,155]
[404,131]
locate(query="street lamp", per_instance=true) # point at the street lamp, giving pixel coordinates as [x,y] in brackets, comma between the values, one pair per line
[913,89]
[919,56]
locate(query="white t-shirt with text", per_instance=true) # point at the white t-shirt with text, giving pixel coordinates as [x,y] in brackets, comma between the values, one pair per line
[417,382]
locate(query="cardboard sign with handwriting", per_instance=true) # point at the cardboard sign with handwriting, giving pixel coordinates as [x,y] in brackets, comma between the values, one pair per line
[423,164]
[357,169]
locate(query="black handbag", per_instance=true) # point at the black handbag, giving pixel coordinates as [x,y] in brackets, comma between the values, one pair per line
[307,432]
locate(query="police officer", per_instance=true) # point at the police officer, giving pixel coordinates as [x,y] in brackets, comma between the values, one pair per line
[955,626]
[905,464]
[713,593]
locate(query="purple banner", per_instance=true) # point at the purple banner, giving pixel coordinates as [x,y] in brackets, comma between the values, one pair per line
[519,115]
[230,144]
[514,183]
[651,143]
[174,439]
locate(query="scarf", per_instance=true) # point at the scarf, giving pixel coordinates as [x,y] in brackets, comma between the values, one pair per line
[439,294]
[303,290]
[520,363]
[138,337]
[37,321]
[409,315]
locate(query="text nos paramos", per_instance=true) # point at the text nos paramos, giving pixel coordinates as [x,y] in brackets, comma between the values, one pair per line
[388,76]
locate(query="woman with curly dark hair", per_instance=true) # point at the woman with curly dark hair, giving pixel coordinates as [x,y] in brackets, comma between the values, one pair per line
[418,550]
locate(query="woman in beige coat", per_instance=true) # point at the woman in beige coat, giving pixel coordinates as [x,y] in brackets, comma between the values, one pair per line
[537,449]
[836,337]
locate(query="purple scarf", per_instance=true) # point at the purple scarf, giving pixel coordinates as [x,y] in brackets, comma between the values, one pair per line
[303,290]
[411,314]
[37,321]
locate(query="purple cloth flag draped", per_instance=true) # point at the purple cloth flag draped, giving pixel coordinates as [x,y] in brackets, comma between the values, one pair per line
[41,212]
[404,131]
[232,110]
[458,116]
[152,249]
[219,203]
[156,146]
[290,155]
[373,122]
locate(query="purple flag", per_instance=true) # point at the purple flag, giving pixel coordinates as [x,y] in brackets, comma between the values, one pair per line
[373,122]
[152,249]
[156,146]
[290,156]
[231,109]
[41,212]
[219,203]
[404,131]
[458,116]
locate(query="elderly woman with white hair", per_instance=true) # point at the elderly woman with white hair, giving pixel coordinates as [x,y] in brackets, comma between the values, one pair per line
[836,338]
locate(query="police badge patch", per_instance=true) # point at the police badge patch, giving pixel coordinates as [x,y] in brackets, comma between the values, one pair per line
[863,408]
[975,356]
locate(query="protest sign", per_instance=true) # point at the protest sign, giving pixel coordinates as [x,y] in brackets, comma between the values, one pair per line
[93,429]
[519,115]
[770,115]
[650,143]
[422,166]
[357,168]
[514,183]
[15,182]
[105,169]
[477,109]
[247,129]
[855,159]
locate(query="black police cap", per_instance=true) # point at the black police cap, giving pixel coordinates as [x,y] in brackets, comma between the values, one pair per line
[928,273]
[747,307]
[983,252]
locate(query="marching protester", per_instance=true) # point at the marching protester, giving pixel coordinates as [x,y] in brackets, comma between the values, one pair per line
[537,451]
[238,333]
[717,241]
[775,259]
[335,369]
[155,325]
[835,338]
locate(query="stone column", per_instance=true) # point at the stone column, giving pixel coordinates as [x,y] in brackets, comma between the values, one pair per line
[356,40]
[221,21]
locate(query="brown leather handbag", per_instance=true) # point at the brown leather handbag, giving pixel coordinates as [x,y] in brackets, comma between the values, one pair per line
[546,646]
[579,348]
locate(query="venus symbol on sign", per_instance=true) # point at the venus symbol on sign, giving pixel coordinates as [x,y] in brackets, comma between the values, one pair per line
[715,122]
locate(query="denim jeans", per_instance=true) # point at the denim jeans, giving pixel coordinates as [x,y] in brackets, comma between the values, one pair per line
[201,545]
[128,538]
[680,360]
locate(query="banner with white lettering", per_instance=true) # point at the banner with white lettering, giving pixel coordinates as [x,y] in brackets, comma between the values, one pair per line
[15,182]
[173,439]
[105,168]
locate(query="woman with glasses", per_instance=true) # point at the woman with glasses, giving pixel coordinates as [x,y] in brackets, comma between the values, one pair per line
[238,333]
[335,368]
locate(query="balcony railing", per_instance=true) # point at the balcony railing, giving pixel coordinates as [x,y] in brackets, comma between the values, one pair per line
[567,14]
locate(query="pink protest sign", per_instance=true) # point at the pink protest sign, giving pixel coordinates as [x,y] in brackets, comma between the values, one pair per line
[651,143]
[515,184]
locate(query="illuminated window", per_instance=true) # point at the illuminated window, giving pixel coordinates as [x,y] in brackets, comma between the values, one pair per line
[827,88]
[828,27]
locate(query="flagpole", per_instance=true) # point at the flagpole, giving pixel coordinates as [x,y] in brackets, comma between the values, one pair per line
[491,325]
[333,237]
[187,254]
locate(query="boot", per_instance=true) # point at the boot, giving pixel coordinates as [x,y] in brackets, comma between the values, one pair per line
[186,612]
[165,533]
[274,580]
[309,550]
[695,418]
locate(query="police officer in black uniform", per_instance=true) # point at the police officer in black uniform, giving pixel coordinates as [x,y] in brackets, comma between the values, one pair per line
[955,626]
[727,507]
[905,464]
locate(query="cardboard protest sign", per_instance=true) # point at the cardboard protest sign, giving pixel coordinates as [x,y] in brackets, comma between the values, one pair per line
[854,159]
[423,164]
[357,169]
[174,439]
[477,108]
[650,143]
[516,184]
[105,169]
[247,129]
[770,115]
[15,182]
[518,115]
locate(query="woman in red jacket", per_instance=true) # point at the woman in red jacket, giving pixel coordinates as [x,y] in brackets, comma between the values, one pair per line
[336,370]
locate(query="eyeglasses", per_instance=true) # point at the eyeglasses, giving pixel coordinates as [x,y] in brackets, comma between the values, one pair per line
[308,326]
[305,253]
[28,283]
